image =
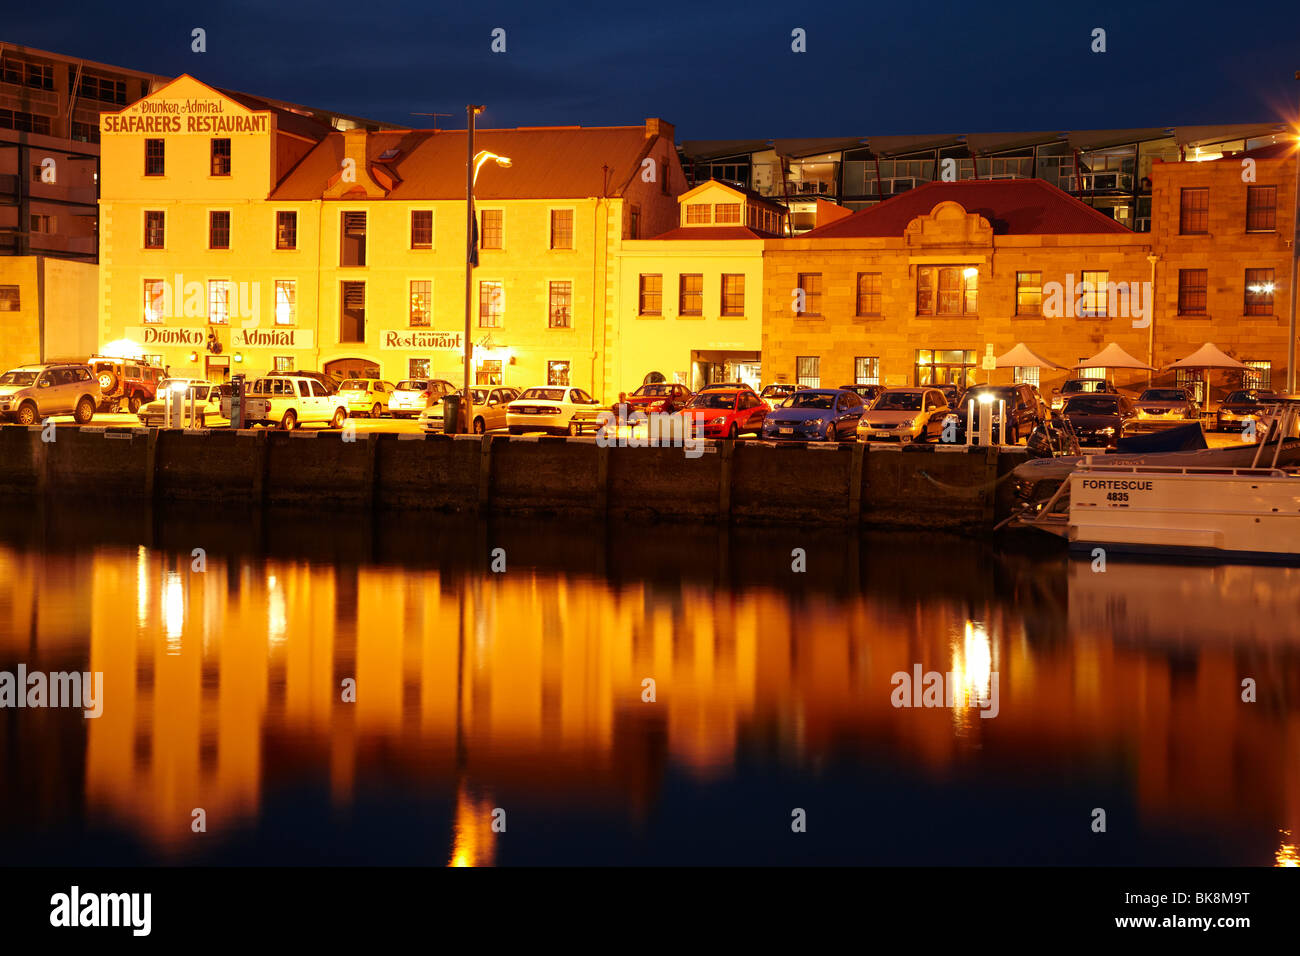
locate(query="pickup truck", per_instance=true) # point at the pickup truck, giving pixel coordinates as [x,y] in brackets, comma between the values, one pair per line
[287,401]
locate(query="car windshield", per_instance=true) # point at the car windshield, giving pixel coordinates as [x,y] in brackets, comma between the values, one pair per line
[545,394]
[714,400]
[480,396]
[18,378]
[898,402]
[1093,405]
[1249,398]
[412,385]
[354,385]
[1163,395]
[654,390]
[777,390]
[814,400]
[1083,385]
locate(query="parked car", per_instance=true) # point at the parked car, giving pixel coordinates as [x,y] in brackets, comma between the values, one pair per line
[777,392]
[287,401]
[816,414]
[1082,386]
[331,380]
[489,409]
[953,393]
[659,397]
[1247,403]
[552,408]
[1159,408]
[204,396]
[366,396]
[31,393]
[904,415]
[1053,436]
[726,412]
[1100,420]
[868,393]
[1025,410]
[414,395]
[124,384]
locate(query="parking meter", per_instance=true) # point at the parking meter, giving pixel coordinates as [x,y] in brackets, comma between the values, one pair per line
[237,401]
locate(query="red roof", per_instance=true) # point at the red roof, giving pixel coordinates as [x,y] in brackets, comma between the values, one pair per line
[715,232]
[547,163]
[1014,207]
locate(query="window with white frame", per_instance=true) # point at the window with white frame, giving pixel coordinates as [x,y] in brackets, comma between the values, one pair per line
[808,370]
[286,301]
[866,370]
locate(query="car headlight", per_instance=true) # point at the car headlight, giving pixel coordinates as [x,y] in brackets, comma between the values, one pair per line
[817,422]
[717,421]
[1105,431]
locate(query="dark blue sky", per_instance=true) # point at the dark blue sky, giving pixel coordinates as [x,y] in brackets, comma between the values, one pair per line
[718,70]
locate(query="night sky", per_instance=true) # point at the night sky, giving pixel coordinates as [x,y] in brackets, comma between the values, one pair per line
[718,70]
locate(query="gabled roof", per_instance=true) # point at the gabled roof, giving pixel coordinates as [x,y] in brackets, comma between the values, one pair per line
[1013,207]
[547,163]
[740,193]
[715,232]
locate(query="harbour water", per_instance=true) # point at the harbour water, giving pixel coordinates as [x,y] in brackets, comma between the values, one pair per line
[431,691]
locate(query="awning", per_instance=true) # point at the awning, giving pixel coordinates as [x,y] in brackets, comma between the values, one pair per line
[1208,355]
[1112,356]
[1023,356]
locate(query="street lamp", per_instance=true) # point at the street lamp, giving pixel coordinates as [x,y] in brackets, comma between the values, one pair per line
[473,163]
[1295,266]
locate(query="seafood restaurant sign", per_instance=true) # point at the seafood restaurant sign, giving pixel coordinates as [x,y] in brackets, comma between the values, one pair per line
[202,116]
[239,338]
[419,341]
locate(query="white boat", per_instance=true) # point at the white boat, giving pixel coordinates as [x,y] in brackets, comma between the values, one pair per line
[1200,510]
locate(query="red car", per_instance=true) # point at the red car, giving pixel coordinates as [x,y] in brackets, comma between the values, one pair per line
[660,397]
[726,412]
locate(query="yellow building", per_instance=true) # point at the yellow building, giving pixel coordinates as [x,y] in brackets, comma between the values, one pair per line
[690,299]
[233,237]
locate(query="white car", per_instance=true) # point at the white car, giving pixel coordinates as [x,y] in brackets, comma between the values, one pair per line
[414,395]
[366,396]
[553,408]
[203,396]
[288,401]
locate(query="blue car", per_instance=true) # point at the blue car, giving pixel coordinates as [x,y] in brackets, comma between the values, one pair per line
[816,414]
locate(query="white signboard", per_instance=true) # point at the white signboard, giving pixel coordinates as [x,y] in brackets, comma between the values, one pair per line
[272,339]
[422,340]
[173,335]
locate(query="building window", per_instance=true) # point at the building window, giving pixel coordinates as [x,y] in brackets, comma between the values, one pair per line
[154,230]
[866,370]
[810,284]
[1259,291]
[286,229]
[352,239]
[557,373]
[1192,380]
[697,213]
[286,301]
[103,89]
[422,229]
[561,228]
[560,307]
[155,157]
[219,229]
[220,157]
[43,223]
[219,301]
[1091,372]
[488,372]
[1026,375]
[634,222]
[491,304]
[491,228]
[1193,291]
[1093,295]
[157,361]
[282,363]
[417,368]
[726,212]
[1029,293]
[421,300]
[85,132]
[155,298]
[690,295]
[869,285]
[24,122]
[352,312]
[808,370]
[1261,208]
[1260,374]
[1194,212]
[10,300]
[651,295]
[39,76]
[733,294]
[947,290]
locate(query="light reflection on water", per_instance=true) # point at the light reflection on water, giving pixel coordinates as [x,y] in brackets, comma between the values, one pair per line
[500,717]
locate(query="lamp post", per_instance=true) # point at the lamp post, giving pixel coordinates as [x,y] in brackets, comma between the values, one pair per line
[1295,265]
[1151,320]
[473,163]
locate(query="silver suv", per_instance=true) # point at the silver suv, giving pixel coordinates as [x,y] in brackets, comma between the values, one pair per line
[30,393]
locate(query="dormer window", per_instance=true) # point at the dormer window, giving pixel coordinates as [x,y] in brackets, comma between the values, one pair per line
[726,212]
[697,213]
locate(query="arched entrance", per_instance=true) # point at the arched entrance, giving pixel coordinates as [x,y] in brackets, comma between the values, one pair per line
[352,368]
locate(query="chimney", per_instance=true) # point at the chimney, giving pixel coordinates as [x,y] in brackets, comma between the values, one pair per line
[354,148]
[655,127]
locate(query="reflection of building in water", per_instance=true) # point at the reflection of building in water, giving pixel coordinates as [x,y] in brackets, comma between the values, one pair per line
[221,684]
